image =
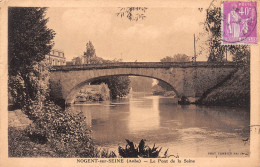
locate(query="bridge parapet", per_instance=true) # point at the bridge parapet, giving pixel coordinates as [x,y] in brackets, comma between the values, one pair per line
[188,79]
[146,65]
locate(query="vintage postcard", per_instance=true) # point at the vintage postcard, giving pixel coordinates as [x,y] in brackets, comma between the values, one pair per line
[129,83]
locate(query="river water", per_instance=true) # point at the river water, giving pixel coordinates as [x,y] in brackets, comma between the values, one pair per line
[187,131]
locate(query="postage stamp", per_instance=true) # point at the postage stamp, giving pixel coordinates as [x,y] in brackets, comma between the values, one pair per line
[239,22]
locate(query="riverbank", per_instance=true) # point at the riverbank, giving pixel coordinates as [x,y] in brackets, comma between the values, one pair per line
[93,93]
[234,91]
[19,144]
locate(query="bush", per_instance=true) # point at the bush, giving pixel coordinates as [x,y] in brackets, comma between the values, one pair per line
[118,85]
[102,153]
[131,151]
[19,145]
[97,93]
[66,132]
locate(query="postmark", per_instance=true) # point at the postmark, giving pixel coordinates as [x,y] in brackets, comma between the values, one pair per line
[239,22]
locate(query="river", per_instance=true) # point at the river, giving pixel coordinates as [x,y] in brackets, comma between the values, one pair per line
[187,131]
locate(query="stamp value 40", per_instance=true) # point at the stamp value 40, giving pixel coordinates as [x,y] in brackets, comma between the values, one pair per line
[239,22]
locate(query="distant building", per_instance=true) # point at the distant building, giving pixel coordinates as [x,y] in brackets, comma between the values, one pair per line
[56,58]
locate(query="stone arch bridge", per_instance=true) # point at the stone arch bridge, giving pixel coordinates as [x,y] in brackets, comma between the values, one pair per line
[188,79]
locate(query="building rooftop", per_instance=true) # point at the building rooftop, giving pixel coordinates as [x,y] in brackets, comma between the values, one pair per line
[57,53]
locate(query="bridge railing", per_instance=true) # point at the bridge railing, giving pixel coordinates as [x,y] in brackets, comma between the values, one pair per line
[145,65]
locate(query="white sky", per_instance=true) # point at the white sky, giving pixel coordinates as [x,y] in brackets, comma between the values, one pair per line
[164,32]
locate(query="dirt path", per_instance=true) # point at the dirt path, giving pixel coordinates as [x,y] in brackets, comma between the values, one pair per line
[18,119]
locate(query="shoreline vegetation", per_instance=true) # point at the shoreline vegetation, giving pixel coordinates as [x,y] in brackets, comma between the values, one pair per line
[234,91]
[93,93]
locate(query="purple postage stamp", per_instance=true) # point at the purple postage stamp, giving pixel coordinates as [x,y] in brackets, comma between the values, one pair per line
[239,22]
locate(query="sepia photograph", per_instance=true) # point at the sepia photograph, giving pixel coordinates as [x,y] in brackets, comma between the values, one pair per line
[130,83]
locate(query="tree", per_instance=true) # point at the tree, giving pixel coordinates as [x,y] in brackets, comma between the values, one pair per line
[132,13]
[176,58]
[96,60]
[118,85]
[241,53]
[29,38]
[141,84]
[213,27]
[29,41]
[90,52]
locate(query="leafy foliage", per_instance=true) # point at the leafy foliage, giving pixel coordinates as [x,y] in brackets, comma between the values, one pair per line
[118,85]
[65,131]
[233,91]
[96,60]
[29,41]
[141,84]
[241,53]
[132,13]
[16,89]
[132,151]
[176,58]
[213,26]
[96,93]
[21,145]
[103,153]
[55,92]
[26,88]
[90,52]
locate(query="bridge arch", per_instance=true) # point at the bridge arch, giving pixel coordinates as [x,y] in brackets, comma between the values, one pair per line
[187,79]
[73,92]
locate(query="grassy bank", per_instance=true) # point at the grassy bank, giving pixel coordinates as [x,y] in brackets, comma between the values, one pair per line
[234,91]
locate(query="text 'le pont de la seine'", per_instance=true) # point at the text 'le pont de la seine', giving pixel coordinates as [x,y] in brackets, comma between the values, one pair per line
[135,160]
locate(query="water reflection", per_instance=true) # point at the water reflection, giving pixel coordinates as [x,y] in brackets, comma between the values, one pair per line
[187,130]
[144,115]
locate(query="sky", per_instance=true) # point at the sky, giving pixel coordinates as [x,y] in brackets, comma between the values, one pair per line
[164,32]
